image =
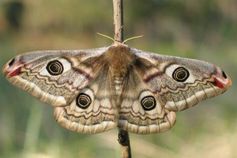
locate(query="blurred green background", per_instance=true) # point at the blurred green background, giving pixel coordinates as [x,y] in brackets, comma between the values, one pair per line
[203,29]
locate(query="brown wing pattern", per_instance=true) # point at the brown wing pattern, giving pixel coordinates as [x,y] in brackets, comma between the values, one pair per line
[99,116]
[95,90]
[134,115]
[72,82]
[171,84]
[165,75]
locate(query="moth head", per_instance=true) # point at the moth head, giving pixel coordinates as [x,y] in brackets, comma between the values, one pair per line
[185,82]
[41,74]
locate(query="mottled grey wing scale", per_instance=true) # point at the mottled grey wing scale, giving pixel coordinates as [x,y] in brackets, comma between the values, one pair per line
[82,74]
[98,117]
[49,88]
[177,96]
[150,74]
[133,117]
[136,91]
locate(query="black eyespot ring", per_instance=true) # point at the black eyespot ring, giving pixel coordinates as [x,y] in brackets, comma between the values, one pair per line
[83,100]
[55,67]
[180,74]
[148,103]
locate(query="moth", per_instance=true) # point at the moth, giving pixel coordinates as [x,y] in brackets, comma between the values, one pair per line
[96,90]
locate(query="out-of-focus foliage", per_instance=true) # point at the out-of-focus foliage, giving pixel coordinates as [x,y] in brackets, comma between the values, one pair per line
[203,29]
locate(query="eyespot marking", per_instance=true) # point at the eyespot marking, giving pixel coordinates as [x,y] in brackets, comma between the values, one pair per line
[148,103]
[83,100]
[180,74]
[54,68]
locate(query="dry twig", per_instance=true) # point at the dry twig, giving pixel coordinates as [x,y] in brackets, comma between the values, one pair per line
[123,136]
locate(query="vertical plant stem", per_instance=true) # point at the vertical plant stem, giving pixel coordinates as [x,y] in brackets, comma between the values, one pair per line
[123,136]
[123,139]
[118,20]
